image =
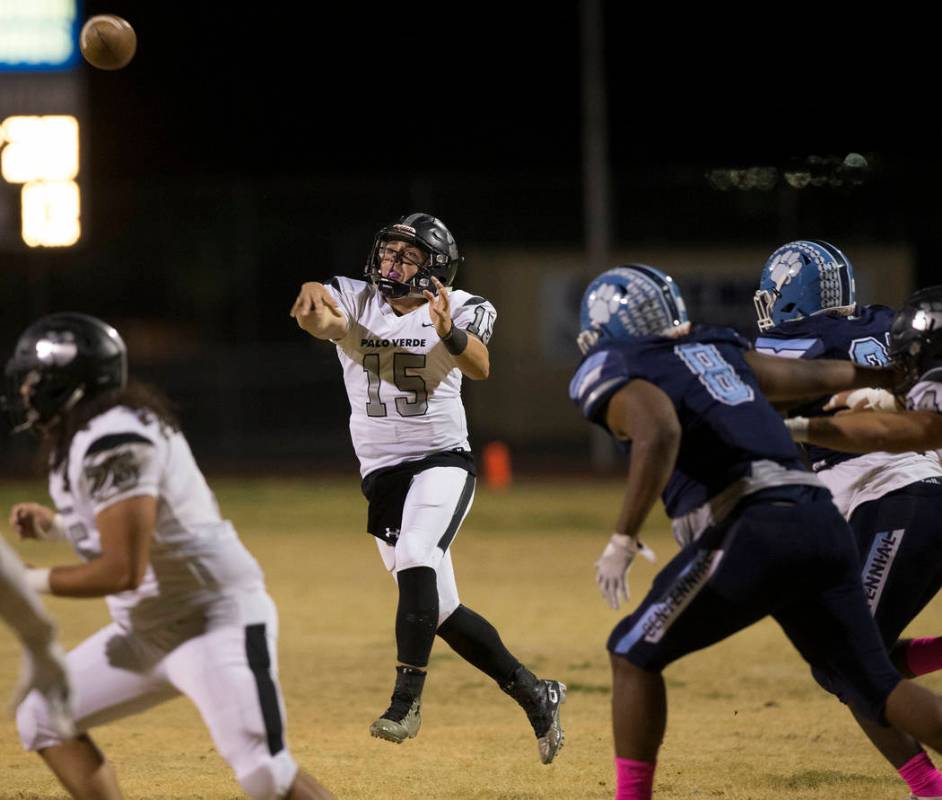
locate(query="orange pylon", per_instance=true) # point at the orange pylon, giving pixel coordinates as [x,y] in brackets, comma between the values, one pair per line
[495,461]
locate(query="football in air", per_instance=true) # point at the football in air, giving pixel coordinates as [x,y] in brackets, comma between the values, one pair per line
[107,41]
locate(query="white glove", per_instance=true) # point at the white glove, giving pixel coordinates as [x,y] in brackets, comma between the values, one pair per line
[45,671]
[798,428]
[612,568]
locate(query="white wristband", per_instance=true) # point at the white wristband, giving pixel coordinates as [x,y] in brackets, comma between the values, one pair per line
[38,580]
[872,399]
[56,530]
[798,428]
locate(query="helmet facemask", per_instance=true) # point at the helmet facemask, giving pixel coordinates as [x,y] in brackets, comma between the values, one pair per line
[35,401]
[430,236]
[59,361]
[391,287]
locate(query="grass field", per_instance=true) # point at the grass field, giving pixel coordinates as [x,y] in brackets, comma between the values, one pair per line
[746,720]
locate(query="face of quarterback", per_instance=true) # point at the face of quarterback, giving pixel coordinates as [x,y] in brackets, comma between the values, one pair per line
[400,261]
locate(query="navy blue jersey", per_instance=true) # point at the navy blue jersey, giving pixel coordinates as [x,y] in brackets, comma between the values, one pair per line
[726,422]
[863,338]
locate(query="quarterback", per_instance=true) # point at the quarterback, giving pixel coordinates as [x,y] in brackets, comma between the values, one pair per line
[405,339]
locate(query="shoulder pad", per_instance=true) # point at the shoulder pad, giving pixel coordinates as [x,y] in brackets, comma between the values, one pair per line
[788,348]
[598,377]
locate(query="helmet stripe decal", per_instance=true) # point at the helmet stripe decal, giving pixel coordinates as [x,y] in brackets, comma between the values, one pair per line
[663,290]
[842,276]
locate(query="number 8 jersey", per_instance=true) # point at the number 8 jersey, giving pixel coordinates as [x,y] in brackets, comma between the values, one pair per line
[733,442]
[403,385]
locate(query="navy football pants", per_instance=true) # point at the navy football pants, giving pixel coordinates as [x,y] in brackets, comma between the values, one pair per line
[899,538]
[796,561]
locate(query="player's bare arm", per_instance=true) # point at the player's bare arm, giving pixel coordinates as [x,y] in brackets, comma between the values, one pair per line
[867,432]
[470,353]
[316,312]
[784,379]
[125,529]
[643,414]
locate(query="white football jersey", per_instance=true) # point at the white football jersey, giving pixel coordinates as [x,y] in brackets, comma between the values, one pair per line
[195,555]
[403,385]
[926,395]
[873,475]
[869,477]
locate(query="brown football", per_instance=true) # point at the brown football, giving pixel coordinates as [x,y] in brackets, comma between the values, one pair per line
[107,41]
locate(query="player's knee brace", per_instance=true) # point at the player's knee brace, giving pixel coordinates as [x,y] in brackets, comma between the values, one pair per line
[270,780]
[417,615]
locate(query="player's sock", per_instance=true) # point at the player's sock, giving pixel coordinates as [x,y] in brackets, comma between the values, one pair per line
[924,655]
[417,615]
[474,639]
[635,779]
[921,776]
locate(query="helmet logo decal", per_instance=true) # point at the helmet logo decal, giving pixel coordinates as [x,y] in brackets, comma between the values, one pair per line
[604,304]
[57,348]
[786,266]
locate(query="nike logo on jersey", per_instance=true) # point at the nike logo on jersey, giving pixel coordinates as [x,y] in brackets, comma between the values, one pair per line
[427,324]
[392,343]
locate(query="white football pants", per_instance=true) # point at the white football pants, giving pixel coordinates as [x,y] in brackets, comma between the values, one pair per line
[436,505]
[223,658]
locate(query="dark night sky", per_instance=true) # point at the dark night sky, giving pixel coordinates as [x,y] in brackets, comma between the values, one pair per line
[289,132]
[471,86]
[277,92]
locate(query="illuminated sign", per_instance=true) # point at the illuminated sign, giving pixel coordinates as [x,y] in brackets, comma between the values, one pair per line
[50,213]
[38,35]
[42,153]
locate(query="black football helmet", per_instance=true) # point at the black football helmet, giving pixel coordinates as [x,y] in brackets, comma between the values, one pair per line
[58,361]
[916,336]
[430,235]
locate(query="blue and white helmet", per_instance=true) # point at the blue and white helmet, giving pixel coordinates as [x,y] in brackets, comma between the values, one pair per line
[804,278]
[628,302]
